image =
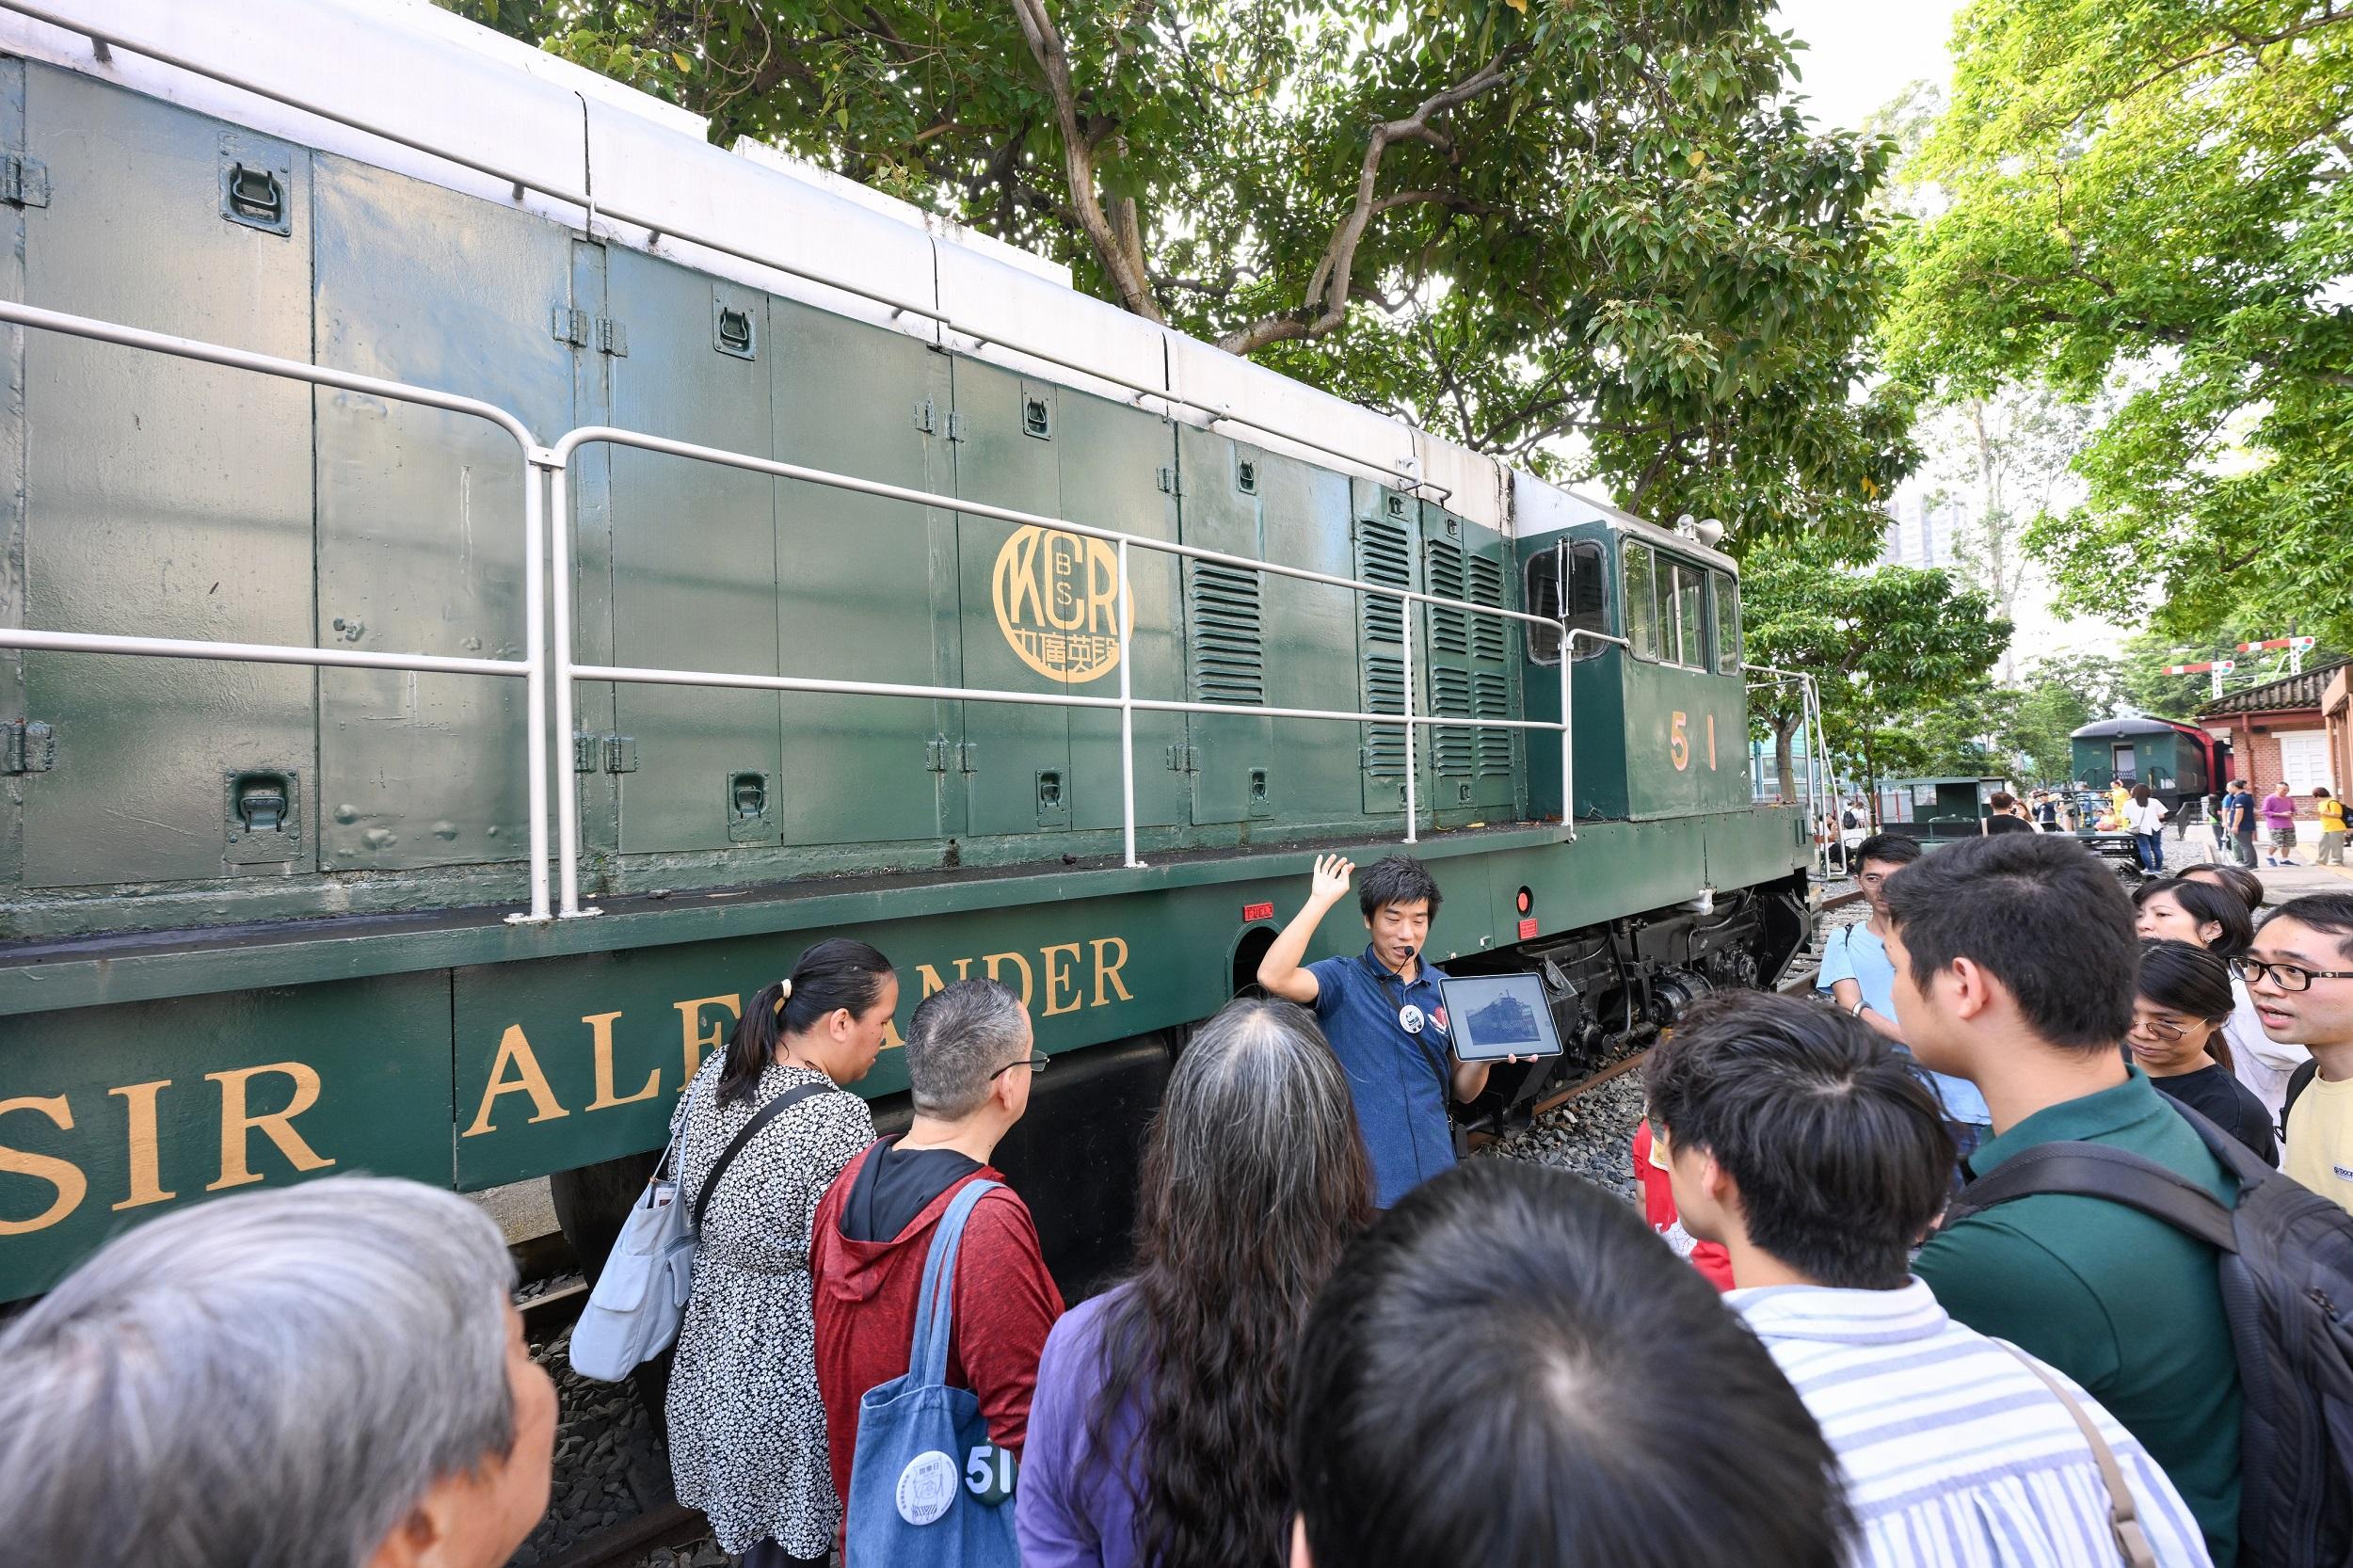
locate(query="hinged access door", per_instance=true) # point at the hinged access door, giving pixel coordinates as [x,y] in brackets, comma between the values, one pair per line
[1387,551]
[1469,666]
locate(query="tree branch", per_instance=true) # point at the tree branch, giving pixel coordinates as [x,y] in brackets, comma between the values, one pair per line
[1120,256]
[1325,304]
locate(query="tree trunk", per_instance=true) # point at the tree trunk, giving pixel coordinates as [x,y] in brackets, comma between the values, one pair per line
[1785,767]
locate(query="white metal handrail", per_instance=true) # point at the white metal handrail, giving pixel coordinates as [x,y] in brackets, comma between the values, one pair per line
[1816,747]
[559,464]
[532,668]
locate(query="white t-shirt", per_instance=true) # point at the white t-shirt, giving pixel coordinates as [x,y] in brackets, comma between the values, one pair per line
[2146,818]
[2260,1063]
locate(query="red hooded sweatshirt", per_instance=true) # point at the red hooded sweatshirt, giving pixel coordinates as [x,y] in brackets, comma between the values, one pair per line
[1004,1304]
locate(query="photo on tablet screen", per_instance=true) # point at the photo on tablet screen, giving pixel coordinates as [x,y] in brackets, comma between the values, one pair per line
[1497,1015]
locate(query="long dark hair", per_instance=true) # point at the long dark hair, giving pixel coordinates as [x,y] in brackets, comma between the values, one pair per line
[1254,1179]
[836,973]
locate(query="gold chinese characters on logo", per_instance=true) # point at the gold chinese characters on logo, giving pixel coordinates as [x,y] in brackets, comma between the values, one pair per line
[1057,597]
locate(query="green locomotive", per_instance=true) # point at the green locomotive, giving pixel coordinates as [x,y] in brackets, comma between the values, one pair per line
[492,575]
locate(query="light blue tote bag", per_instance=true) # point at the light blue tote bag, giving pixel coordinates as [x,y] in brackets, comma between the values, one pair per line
[928,1487]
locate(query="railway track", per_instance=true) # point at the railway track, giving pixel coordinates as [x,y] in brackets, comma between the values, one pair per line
[622,1546]
[1797,984]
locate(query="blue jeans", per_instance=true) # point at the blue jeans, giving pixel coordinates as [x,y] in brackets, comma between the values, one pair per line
[2151,850]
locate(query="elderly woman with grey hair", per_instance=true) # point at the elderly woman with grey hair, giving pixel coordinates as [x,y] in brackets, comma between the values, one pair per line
[330,1376]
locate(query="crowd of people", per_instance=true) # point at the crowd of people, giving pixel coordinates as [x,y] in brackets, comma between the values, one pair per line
[1868,1343]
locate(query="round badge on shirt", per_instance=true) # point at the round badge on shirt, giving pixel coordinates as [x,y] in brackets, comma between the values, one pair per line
[1409,1018]
[926,1487]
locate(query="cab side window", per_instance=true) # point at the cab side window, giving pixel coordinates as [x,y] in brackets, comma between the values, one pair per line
[1584,604]
[1690,615]
[1636,570]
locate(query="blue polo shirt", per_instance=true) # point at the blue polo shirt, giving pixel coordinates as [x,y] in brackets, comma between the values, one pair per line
[1400,1080]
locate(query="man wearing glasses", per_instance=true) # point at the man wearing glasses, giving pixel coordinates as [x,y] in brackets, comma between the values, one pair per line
[2301,975]
[970,1055]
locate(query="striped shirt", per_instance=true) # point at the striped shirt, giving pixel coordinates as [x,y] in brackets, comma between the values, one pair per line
[1955,1455]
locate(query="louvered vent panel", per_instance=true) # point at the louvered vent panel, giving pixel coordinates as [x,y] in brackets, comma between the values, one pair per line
[1384,557]
[1492,700]
[1486,587]
[1449,630]
[1228,636]
[1453,752]
[1384,693]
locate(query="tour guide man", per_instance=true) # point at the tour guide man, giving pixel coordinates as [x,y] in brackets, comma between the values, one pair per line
[1383,1013]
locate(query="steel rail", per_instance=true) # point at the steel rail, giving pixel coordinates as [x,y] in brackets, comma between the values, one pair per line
[657,228]
[532,667]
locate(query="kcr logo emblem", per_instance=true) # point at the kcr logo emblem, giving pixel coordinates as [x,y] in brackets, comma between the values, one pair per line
[1057,601]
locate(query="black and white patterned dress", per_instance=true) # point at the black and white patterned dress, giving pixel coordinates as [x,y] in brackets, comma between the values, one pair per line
[748,1430]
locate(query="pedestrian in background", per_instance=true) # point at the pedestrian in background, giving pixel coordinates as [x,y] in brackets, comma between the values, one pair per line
[2238,814]
[2279,814]
[2004,814]
[1509,1371]
[1804,1145]
[2014,964]
[2145,819]
[2181,999]
[970,1055]
[2330,811]
[1156,1434]
[324,1376]
[748,1430]
[2214,819]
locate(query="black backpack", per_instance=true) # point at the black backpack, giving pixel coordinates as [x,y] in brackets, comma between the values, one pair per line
[2287,1288]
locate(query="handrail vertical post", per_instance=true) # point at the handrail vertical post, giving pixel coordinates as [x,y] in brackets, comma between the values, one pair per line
[1405,625]
[1568,775]
[535,676]
[567,793]
[1127,712]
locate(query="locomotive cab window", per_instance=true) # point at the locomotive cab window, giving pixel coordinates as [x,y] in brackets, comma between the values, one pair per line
[1727,623]
[1690,621]
[1587,600]
[1642,606]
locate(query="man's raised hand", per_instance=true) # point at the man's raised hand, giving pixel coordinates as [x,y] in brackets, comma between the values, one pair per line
[1330,879]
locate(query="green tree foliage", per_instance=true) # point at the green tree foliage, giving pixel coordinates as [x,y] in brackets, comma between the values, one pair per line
[1881,645]
[2151,198]
[2058,696]
[1593,238]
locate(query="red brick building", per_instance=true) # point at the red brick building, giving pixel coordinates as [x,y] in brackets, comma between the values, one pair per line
[2286,728]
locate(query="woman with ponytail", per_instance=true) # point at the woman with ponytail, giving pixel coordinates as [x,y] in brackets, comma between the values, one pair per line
[747,1430]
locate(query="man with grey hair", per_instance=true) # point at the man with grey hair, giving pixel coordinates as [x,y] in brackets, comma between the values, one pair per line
[329,1376]
[970,1054]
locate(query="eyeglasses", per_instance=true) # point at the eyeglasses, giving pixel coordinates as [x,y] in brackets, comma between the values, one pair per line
[2287,977]
[1037,1062]
[2158,1029]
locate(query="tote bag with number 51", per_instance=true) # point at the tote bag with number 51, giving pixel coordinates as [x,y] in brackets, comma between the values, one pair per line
[927,1488]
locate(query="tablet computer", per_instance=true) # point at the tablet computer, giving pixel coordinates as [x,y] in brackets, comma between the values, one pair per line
[1494,1015]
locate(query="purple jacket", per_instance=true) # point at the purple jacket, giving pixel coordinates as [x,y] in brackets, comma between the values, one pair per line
[1072,1509]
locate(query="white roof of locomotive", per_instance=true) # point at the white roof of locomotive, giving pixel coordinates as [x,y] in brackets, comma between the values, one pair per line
[407,85]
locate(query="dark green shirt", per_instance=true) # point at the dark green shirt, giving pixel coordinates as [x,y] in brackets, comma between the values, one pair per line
[2126,1306]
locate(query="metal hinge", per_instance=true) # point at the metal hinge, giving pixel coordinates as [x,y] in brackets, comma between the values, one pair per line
[26,746]
[967,756]
[959,429]
[569,326]
[613,753]
[1183,758]
[612,338]
[927,417]
[24,181]
[1171,482]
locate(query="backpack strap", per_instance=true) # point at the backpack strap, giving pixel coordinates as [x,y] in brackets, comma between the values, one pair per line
[2299,1081]
[935,1307]
[2098,1171]
[760,1118]
[2124,1511]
